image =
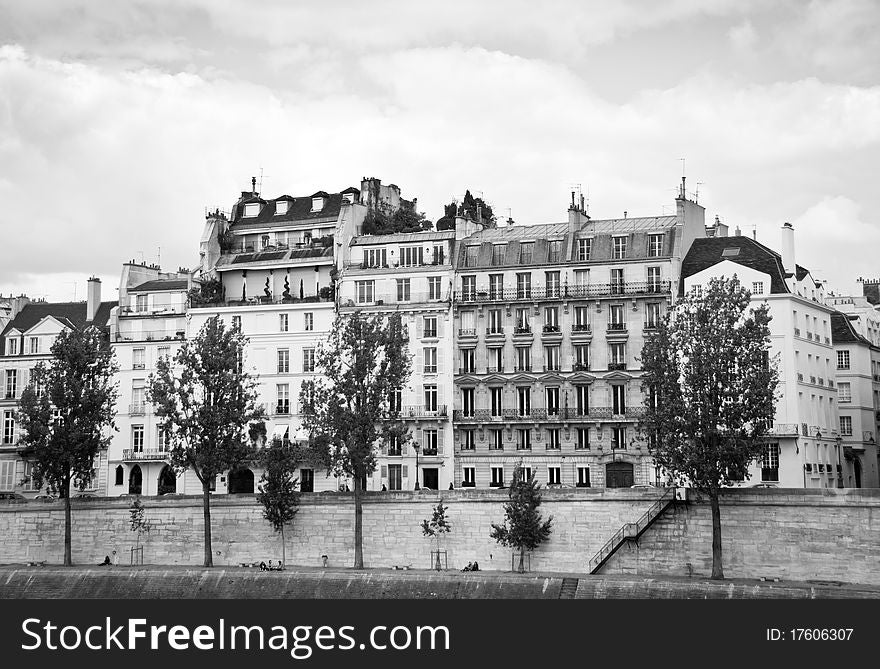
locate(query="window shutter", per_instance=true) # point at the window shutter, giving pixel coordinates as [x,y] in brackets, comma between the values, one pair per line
[420,361]
[404,471]
[439,364]
[420,322]
[440,441]
[384,472]
[440,327]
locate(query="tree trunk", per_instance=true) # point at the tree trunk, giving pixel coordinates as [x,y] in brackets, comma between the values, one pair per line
[358,525]
[522,560]
[717,569]
[283,549]
[68,561]
[206,507]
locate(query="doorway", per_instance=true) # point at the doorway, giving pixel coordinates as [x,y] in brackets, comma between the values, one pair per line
[430,478]
[135,480]
[307,480]
[167,481]
[241,480]
[618,475]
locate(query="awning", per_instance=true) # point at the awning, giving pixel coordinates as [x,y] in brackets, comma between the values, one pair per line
[280,432]
[301,434]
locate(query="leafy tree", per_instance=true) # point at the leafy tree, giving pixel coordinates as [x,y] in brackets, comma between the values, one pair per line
[404,219]
[137,521]
[470,205]
[209,292]
[277,490]
[347,411]
[709,392]
[437,527]
[67,414]
[206,404]
[523,528]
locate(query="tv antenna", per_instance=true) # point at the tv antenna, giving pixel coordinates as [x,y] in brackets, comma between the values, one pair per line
[74,289]
[697,192]
[262,176]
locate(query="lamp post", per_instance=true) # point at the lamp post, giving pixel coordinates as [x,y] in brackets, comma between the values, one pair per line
[838,441]
[417,448]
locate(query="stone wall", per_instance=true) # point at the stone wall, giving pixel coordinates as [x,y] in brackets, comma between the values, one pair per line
[798,535]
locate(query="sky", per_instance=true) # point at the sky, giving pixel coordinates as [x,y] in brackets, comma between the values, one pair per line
[122,122]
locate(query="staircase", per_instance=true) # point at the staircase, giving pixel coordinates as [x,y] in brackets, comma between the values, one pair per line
[631,531]
[569,588]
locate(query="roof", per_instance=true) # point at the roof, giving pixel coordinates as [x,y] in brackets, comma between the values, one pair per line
[72,314]
[427,236]
[161,284]
[298,209]
[843,332]
[706,252]
[602,226]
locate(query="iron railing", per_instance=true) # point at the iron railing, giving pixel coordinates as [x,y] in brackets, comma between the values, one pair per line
[129,454]
[565,292]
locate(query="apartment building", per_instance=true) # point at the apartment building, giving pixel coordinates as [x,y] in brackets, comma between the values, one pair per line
[410,274]
[150,323]
[804,449]
[549,321]
[27,341]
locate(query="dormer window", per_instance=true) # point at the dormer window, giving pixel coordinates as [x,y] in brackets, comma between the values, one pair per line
[252,210]
[281,207]
[12,345]
[264,241]
[348,197]
[317,203]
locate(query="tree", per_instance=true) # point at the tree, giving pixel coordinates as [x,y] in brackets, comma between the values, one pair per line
[350,408]
[138,522]
[206,405]
[404,219]
[475,207]
[277,490]
[437,527]
[67,413]
[709,392]
[523,528]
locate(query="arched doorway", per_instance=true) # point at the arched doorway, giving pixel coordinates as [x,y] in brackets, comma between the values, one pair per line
[618,475]
[857,469]
[241,480]
[135,480]
[167,481]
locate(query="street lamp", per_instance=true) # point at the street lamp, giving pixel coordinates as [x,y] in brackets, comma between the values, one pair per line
[417,448]
[838,441]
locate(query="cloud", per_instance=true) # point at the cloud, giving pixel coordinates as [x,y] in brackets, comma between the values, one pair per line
[743,36]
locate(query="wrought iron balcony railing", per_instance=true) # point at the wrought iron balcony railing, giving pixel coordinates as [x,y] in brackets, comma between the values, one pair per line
[130,454]
[594,290]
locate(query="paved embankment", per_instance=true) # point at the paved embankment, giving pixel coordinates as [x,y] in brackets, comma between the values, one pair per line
[309,583]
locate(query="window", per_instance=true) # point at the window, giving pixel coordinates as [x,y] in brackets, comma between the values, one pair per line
[843,360]
[846,426]
[697,290]
[411,256]
[467,323]
[137,438]
[8,427]
[618,400]
[497,474]
[757,288]
[551,358]
[524,400]
[844,392]
[553,442]
[522,322]
[468,440]
[495,359]
[655,245]
[120,475]
[429,327]
[495,401]
[161,439]
[495,322]
[552,400]
[582,398]
[523,358]
[526,250]
[364,291]
[498,251]
[496,286]
[138,396]
[468,477]
[430,392]
[551,319]
[618,438]
[395,477]
[403,290]
[470,256]
[616,318]
[524,285]
[617,353]
[308,321]
[581,279]
[584,248]
[619,248]
[653,314]
[251,210]
[138,358]
[469,287]
[617,286]
[583,442]
[581,319]
[438,253]
[523,439]
[282,322]
[434,288]
[283,361]
[236,323]
[12,345]
[525,473]
[282,391]
[496,440]
[163,352]
[375,258]
[583,477]
[430,353]
[554,253]
[552,283]
[11,383]
[429,443]
[7,475]
[653,279]
[317,203]
[281,207]
[395,400]
[467,401]
[308,360]
[770,463]
[265,240]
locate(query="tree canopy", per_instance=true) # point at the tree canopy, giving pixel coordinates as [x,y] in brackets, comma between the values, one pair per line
[278,486]
[523,529]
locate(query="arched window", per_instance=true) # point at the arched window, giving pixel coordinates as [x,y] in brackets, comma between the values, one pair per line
[120,475]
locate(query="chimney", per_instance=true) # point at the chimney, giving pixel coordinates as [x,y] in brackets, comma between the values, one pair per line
[788,261]
[254,185]
[93,298]
[737,232]
[720,228]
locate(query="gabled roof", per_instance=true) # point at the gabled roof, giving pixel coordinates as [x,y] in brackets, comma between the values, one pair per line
[843,332]
[298,209]
[707,252]
[156,285]
[72,314]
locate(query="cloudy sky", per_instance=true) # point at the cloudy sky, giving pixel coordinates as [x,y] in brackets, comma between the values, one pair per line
[121,122]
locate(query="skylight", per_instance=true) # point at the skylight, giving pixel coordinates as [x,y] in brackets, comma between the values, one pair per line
[730,253]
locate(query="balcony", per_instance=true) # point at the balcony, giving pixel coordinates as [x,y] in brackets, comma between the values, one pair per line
[132,455]
[616,366]
[417,411]
[137,409]
[466,370]
[526,369]
[651,325]
[430,452]
[151,335]
[589,291]
[281,409]
[551,329]
[497,332]
[581,329]
[800,376]
[522,330]
[797,332]
[616,328]
[580,367]
[258,300]
[784,430]
[466,333]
